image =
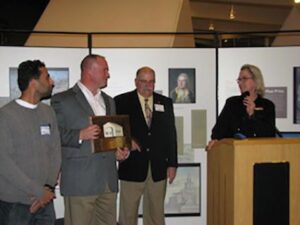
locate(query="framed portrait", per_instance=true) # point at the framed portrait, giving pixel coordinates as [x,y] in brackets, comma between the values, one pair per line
[297,95]
[182,88]
[278,95]
[183,195]
[59,75]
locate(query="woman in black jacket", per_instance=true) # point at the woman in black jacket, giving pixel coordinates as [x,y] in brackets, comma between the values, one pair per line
[249,114]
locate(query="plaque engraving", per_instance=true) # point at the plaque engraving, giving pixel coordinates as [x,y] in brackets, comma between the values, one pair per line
[114,133]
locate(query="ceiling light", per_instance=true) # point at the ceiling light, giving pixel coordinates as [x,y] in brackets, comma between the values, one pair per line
[231,13]
[211,26]
[297,1]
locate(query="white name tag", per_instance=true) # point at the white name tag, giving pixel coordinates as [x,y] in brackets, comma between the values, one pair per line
[45,129]
[159,107]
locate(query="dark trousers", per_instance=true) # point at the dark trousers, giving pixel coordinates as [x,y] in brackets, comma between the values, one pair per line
[19,214]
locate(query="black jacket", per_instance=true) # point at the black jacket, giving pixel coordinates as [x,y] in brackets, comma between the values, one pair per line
[158,143]
[234,119]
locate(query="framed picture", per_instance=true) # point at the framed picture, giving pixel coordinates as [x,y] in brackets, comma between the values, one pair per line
[183,195]
[182,85]
[59,75]
[278,95]
[297,95]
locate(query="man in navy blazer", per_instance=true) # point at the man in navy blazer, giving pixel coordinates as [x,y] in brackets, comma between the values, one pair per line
[146,170]
[89,181]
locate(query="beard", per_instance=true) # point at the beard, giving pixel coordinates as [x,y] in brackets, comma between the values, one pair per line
[47,94]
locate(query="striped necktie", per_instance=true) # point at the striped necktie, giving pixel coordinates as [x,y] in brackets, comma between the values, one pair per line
[148,112]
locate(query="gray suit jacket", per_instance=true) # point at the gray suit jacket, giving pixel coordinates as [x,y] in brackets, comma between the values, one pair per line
[83,173]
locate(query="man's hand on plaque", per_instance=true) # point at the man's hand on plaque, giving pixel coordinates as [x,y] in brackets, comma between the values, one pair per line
[89,133]
[122,153]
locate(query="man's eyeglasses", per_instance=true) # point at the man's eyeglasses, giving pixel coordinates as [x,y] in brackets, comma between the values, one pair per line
[243,79]
[147,81]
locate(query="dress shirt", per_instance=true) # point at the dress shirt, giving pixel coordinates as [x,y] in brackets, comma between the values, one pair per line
[95,101]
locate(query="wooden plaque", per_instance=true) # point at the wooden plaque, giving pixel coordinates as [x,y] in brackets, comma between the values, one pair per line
[114,133]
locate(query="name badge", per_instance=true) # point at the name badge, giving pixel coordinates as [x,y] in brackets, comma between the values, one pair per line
[45,129]
[159,107]
[259,109]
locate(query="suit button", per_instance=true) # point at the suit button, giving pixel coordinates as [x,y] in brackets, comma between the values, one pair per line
[147,149]
[149,133]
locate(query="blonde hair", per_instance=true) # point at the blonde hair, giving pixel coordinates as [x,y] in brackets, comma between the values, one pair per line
[257,77]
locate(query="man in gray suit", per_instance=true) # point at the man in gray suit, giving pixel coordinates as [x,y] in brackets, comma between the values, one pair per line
[89,181]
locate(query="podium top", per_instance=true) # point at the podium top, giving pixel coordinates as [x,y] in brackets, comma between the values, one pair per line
[258,141]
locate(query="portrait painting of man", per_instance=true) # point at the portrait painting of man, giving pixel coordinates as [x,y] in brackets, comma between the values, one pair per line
[182,85]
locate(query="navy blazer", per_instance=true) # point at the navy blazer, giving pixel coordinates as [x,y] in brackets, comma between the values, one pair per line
[158,143]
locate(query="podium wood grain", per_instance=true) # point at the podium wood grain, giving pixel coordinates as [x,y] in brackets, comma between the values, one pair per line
[230,177]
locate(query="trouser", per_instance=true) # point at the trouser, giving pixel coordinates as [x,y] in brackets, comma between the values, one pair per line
[19,214]
[91,210]
[153,201]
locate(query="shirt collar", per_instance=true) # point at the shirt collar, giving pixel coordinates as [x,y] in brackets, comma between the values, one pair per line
[26,104]
[84,89]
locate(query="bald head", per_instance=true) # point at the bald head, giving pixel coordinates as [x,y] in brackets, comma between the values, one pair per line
[94,72]
[88,61]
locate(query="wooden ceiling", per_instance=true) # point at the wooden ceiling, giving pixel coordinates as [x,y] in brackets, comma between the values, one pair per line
[250,15]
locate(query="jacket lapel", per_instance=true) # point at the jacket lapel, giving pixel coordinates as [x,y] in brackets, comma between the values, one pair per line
[82,100]
[106,102]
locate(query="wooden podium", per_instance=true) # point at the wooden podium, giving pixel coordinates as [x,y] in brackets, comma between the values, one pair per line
[231,179]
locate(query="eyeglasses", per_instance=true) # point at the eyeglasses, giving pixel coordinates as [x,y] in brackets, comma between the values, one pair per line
[147,81]
[243,79]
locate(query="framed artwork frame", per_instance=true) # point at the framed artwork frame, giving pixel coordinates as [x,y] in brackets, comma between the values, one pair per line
[59,75]
[183,196]
[182,85]
[296,95]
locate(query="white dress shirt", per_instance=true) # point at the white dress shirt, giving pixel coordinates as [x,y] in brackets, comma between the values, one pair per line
[95,101]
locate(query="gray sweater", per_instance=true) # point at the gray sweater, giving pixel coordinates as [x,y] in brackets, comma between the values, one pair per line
[30,154]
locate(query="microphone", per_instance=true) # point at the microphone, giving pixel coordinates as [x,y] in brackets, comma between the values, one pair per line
[245,94]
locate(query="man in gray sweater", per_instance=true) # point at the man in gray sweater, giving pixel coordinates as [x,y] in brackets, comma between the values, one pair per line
[30,155]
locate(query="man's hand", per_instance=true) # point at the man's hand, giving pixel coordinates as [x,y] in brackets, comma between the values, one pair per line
[41,202]
[171,174]
[135,146]
[89,133]
[122,153]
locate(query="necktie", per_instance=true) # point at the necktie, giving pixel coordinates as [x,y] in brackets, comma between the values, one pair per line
[148,112]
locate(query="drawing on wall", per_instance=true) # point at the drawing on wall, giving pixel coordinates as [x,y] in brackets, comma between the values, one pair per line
[182,85]
[187,156]
[59,75]
[278,95]
[297,95]
[183,195]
